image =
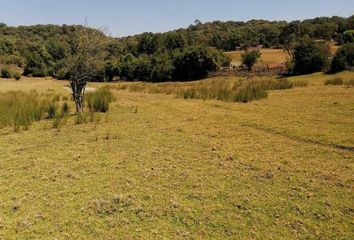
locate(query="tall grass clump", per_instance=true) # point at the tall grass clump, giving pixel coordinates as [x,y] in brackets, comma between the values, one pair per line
[19,109]
[280,84]
[81,118]
[61,115]
[65,109]
[223,89]
[334,81]
[300,83]
[99,100]
[52,109]
[350,83]
[252,90]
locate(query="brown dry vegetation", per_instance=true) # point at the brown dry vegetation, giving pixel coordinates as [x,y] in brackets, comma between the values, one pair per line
[160,167]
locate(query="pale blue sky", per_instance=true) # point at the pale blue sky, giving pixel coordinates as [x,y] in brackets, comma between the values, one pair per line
[126,17]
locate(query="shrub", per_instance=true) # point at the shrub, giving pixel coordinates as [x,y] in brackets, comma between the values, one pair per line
[6,73]
[17,76]
[335,81]
[250,58]
[99,100]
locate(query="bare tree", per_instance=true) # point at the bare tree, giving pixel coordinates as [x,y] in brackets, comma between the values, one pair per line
[85,62]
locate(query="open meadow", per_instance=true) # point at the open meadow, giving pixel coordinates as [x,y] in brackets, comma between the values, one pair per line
[158,166]
[270,57]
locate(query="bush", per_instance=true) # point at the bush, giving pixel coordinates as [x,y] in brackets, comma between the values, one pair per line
[99,100]
[310,57]
[335,81]
[6,73]
[250,58]
[344,58]
[17,76]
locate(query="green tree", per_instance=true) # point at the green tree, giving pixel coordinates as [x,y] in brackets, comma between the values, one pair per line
[344,58]
[143,68]
[162,69]
[85,62]
[348,36]
[250,58]
[127,65]
[35,66]
[174,40]
[196,62]
[310,57]
[147,43]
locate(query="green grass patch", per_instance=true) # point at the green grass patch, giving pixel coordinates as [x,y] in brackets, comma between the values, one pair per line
[99,100]
[20,109]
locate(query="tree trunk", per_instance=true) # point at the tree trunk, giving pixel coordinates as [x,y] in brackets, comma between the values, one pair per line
[78,91]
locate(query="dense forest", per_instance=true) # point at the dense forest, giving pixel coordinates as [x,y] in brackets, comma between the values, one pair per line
[183,54]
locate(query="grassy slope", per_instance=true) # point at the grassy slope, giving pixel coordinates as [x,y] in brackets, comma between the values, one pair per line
[185,169]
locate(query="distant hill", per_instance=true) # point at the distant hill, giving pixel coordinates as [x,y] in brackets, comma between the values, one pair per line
[46,46]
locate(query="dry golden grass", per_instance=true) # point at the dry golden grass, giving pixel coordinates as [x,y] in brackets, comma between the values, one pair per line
[158,167]
[270,57]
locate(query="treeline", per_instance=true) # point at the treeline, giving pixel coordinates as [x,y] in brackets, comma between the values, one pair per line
[183,54]
[42,50]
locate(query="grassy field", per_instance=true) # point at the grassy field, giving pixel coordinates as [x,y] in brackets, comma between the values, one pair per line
[271,57]
[161,167]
